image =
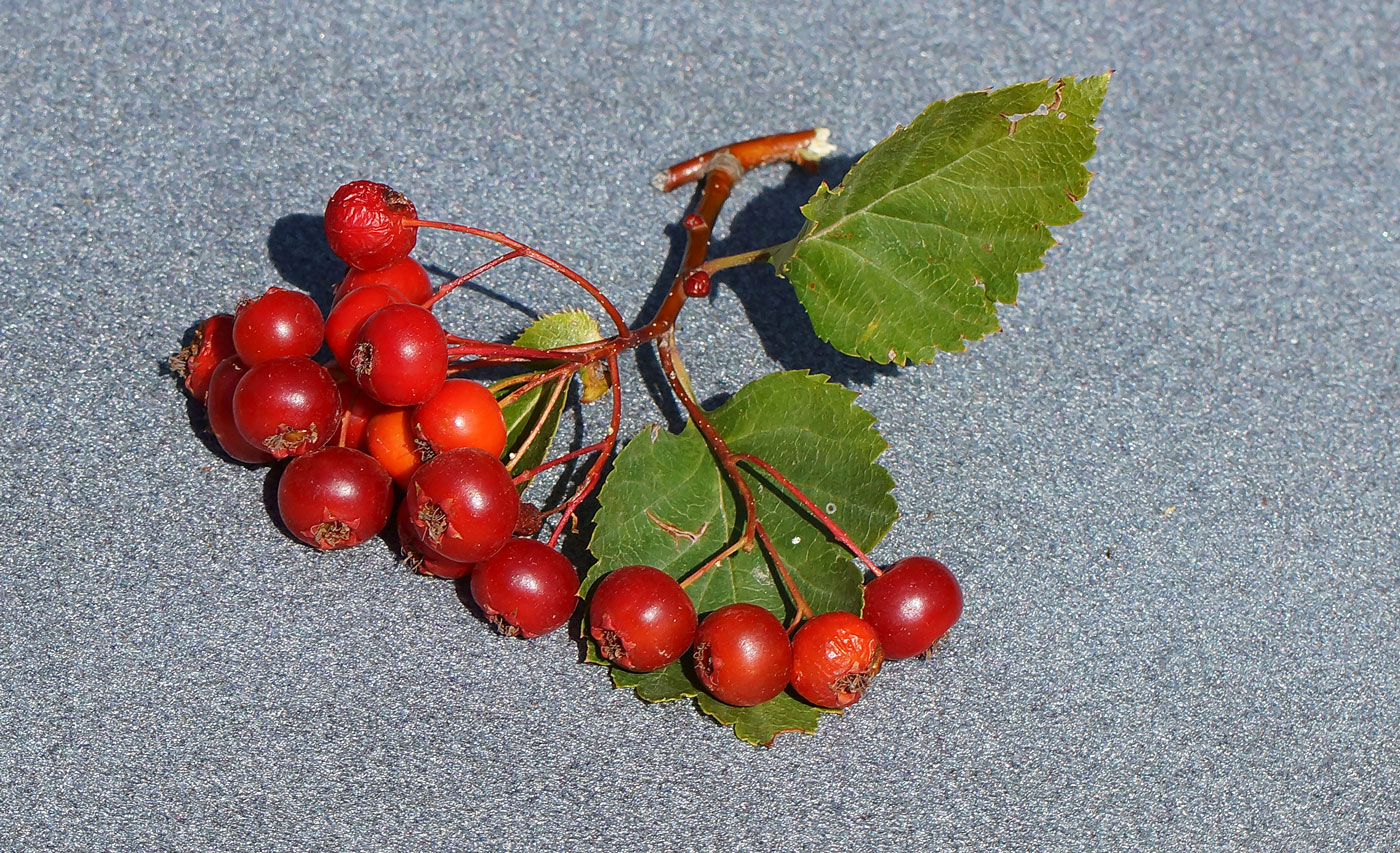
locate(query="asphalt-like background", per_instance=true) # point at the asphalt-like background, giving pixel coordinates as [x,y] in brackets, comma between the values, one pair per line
[1169,487]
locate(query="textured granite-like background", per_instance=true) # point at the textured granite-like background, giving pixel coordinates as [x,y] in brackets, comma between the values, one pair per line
[1170,488]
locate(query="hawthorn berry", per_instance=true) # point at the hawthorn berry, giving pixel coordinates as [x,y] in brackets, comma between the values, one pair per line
[356,410]
[278,323]
[334,497]
[641,618]
[350,313]
[742,655]
[195,362]
[912,605]
[364,225]
[389,439]
[405,276]
[400,355]
[419,558]
[463,504]
[462,413]
[834,657]
[288,405]
[526,588]
[219,409]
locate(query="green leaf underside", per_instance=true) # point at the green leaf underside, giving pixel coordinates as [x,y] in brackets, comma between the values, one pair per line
[668,504]
[552,330]
[929,230]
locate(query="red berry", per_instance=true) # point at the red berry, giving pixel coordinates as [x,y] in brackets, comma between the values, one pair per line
[641,618]
[389,439]
[421,558]
[195,363]
[742,655]
[834,657]
[364,225]
[350,313]
[334,497]
[406,277]
[356,410]
[289,406]
[219,408]
[912,605]
[463,504]
[400,355]
[526,588]
[278,323]
[462,413]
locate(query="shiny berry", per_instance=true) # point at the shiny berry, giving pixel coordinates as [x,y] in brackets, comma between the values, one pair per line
[463,504]
[406,276]
[219,408]
[834,657]
[641,618]
[912,605]
[462,413]
[349,314]
[288,406]
[419,557]
[279,323]
[400,355]
[389,439]
[742,655]
[195,362]
[334,497]
[364,225]
[526,588]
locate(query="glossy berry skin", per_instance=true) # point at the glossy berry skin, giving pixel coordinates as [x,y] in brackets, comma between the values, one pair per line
[420,558]
[356,410]
[400,355]
[350,313]
[334,497]
[526,588]
[462,413]
[405,276]
[279,323]
[195,363]
[641,618]
[364,225]
[288,406]
[219,409]
[912,605]
[834,657]
[389,439]
[742,655]
[463,504]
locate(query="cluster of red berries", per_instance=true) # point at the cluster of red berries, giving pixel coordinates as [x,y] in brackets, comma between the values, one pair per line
[382,411]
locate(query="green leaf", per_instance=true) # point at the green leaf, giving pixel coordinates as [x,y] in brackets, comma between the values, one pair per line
[668,504]
[534,407]
[929,230]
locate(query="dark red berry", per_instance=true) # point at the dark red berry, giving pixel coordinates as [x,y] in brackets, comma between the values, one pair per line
[219,408]
[195,363]
[742,655]
[834,657]
[350,313]
[279,323]
[641,618]
[526,588]
[400,355]
[288,406]
[334,497]
[419,557]
[406,276]
[463,504]
[912,605]
[697,284]
[462,413]
[364,225]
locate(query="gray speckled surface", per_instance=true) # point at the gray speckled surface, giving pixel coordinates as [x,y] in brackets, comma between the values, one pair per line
[1170,488]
